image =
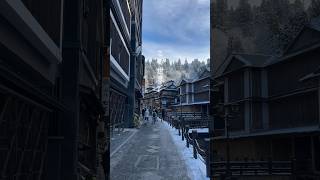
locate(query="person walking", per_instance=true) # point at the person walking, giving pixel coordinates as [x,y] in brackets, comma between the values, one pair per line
[144,115]
[163,114]
[154,116]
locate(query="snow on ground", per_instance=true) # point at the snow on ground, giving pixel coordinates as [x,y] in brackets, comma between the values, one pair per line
[196,167]
[200,130]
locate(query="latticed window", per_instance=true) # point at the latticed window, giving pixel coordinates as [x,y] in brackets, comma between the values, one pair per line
[118,108]
[23,136]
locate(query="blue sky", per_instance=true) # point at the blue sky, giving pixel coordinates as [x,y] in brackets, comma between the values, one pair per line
[176,29]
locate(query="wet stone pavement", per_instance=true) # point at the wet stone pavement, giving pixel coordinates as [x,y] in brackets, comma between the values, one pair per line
[149,155]
[119,137]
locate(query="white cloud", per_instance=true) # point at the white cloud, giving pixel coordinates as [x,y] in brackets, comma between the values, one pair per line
[159,54]
[177,28]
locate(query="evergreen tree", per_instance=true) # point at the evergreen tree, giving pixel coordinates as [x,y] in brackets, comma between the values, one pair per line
[178,65]
[194,67]
[314,9]
[291,29]
[185,66]
[298,6]
[244,17]
[244,12]
[187,70]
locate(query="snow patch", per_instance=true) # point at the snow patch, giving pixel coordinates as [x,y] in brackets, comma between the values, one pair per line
[200,130]
[195,167]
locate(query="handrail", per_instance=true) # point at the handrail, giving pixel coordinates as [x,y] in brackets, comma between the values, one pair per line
[238,168]
[183,126]
[199,150]
[193,141]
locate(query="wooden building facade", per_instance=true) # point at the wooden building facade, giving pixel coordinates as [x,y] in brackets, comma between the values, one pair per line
[151,98]
[52,66]
[278,107]
[126,60]
[194,95]
[168,96]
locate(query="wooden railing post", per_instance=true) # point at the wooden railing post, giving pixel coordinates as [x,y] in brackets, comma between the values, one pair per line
[171,121]
[178,124]
[187,135]
[182,129]
[194,137]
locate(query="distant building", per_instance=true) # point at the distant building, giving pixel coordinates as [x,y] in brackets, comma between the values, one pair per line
[194,95]
[151,98]
[168,95]
[278,106]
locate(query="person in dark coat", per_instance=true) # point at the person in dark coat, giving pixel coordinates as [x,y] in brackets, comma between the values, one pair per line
[163,113]
[143,113]
[154,117]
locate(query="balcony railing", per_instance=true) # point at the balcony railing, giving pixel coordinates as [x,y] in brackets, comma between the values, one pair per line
[252,168]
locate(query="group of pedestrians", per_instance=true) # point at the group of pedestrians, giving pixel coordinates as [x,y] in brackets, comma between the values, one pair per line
[147,112]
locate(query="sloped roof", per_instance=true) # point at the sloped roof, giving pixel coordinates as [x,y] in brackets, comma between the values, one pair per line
[249,60]
[169,88]
[313,28]
[254,60]
[183,81]
[204,74]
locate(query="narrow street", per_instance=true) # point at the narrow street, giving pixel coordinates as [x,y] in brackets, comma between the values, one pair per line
[150,153]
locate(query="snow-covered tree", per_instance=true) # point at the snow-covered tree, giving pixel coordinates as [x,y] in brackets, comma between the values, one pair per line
[169,70]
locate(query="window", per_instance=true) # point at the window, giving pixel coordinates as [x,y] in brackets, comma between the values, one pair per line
[236,87]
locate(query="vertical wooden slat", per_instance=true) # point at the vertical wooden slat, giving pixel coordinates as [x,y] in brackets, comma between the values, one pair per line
[13,139]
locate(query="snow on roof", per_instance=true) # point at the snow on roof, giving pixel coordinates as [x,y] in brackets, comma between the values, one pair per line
[200,130]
